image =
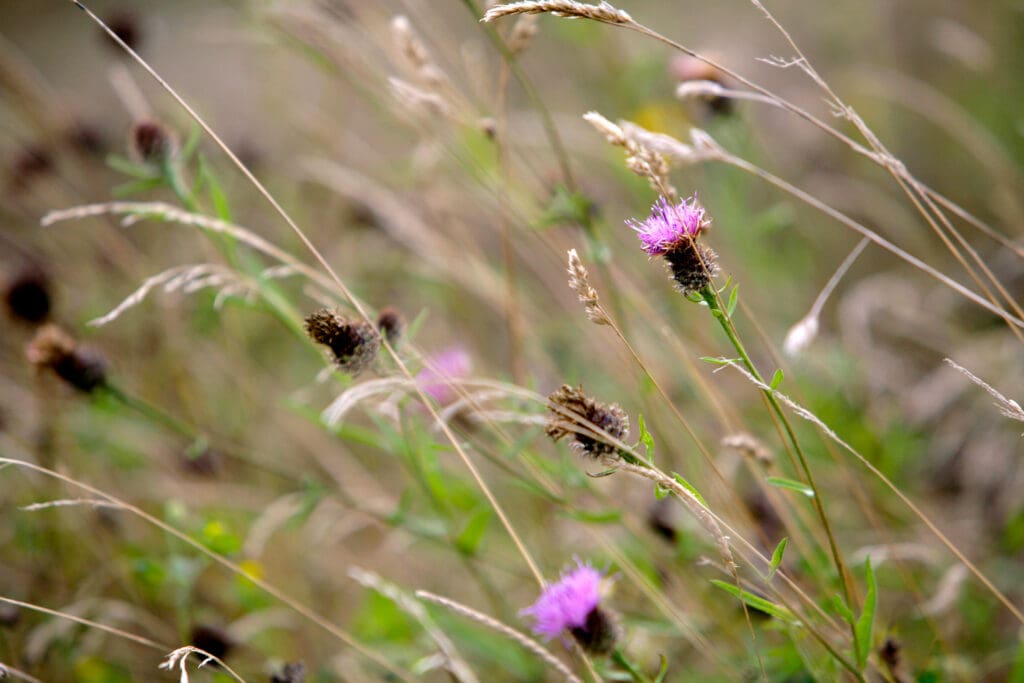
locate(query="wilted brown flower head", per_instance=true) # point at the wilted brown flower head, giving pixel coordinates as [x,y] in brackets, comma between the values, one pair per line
[391,324]
[576,411]
[212,639]
[353,343]
[27,295]
[54,349]
[152,142]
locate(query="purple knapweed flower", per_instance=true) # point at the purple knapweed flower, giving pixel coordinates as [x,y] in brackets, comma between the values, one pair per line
[670,226]
[573,604]
[452,364]
[671,231]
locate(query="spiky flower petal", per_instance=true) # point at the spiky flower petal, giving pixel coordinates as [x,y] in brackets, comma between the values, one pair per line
[670,226]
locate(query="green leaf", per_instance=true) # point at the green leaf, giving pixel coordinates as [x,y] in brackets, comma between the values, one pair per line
[757,602]
[598,517]
[221,206]
[646,439]
[136,187]
[131,169]
[734,297]
[660,492]
[469,539]
[689,487]
[866,622]
[695,297]
[714,360]
[780,550]
[567,207]
[841,609]
[792,485]
[776,379]
[662,669]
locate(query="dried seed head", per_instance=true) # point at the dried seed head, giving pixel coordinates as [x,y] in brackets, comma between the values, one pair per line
[152,142]
[579,282]
[292,672]
[583,411]
[354,343]
[391,324]
[54,349]
[562,8]
[27,295]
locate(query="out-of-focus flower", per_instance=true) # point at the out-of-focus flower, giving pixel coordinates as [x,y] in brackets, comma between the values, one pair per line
[54,349]
[442,369]
[573,604]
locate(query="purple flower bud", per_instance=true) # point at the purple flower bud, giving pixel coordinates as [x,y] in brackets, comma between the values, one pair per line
[450,365]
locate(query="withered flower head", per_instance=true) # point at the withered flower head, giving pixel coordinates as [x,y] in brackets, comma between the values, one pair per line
[573,413]
[27,295]
[54,349]
[152,142]
[212,639]
[32,162]
[391,324]
[353,343]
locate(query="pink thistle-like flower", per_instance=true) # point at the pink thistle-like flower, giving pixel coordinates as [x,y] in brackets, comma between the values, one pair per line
[670,226]
[452,364]
[570,604]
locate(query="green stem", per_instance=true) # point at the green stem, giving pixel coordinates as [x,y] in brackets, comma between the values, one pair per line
[151,412]
[619,658]
[710,297]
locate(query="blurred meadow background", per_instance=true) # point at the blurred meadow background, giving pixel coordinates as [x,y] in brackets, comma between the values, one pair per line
[181,464]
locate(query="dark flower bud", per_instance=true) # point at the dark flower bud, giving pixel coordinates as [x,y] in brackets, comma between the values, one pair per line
[27,295]
[292,672]
[353,343]
[152,142]
[86,139]
[692,266]
[686,68]
[599,632]
[571,413]
[53,349]
[31,163]
[391,324]
[10,615]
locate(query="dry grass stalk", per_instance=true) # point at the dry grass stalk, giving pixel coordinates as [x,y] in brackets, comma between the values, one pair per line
[561,8]
[179,658]
[507,631]
[579,282]
[1007,406]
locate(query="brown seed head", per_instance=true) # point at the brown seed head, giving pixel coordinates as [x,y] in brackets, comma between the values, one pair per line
[575,411]
[599,633]
[54,349]
[692,266]
[125,25]
[353,343]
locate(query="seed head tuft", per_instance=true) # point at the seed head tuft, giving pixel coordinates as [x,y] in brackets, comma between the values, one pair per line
[54,349]
[583,410]
[353,343]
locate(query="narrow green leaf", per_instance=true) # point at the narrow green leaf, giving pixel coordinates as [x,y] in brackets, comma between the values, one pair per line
[734,297]
[776,379]
[469,539]
[660,492]
[792,485]
[689,487]
[218,197]
[841,609]
[780,550]
[756,602]
[598,517]
[130,168]
[136,187]
[715,360]
[662,669]
[866,623]
[646,439]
